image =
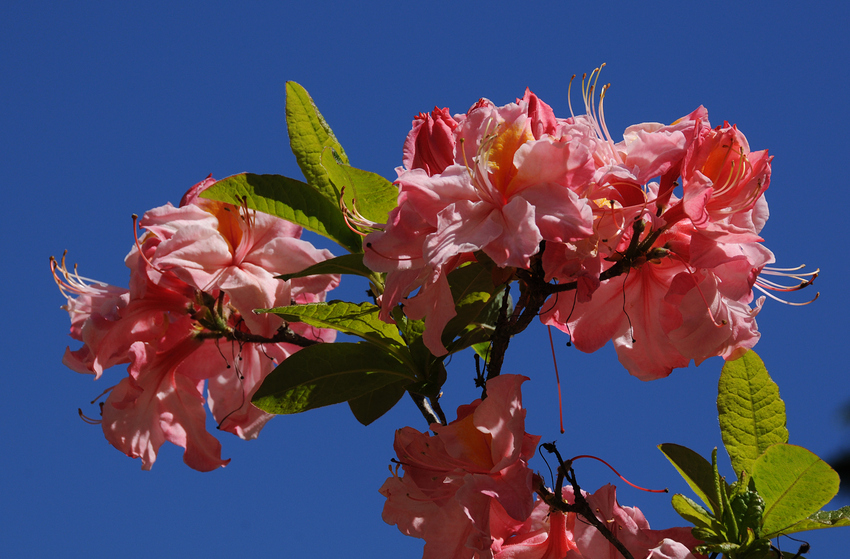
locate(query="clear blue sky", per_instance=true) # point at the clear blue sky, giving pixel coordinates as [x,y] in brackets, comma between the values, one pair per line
[109,110]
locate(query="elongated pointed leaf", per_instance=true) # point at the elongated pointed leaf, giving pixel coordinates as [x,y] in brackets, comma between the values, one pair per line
[345,264]
[822,519]
[350,318]
[309,135]
[288,199]
[371,194]
[371,406]
[794,483]
[325,374]
[696,470]
[692,512]
[751,414]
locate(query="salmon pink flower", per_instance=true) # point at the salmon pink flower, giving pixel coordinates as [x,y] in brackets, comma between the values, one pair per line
[722,178]
[196,277]
[474,467]
[667,311]
[511,186]
[215,246]
[550,534]
[631,528]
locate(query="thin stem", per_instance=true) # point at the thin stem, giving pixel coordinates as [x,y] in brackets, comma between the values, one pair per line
[580,506]
[425,409]
[283,335]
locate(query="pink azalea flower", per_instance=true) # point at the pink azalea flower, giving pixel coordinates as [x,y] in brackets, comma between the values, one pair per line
[549,534]
[430,145]
[215,246]
[454,481]
[722,178]
[511,186]
[204,261]
[691,300]
[666,312]
[546,534]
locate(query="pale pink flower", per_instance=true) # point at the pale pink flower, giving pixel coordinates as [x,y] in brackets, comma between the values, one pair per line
[453,480]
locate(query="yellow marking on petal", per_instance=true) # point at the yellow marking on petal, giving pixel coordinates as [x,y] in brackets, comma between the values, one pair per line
[500,155]
[476,444]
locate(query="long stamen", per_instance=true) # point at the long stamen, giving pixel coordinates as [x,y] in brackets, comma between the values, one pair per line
[618,473]
[397,258]
[806,279]
[557,381]
[602,124]
[87,419]
[139,245]
[570,97]
[354,219]
[775,298]
[74,283]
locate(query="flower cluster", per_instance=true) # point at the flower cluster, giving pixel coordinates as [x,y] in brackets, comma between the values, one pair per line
[652,242]
[187,320]
[469,493]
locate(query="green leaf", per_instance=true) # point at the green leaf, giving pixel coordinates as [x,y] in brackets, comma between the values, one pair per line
[755,549]
[371,406]
[350,318]
[822,519]
[345,264]
[693,512]
[794,483]
[372,195]
[309,135]
[325,374]
[482,349]
[472,288]
[696,470]
[725,547]
[288,199]
[751,414]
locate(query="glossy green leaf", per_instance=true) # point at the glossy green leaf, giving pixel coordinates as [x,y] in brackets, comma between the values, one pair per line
[288,199]
[346,264]
[325,374]
[350,318]
[371,406]
[751,414]
[428,366]
[693,512]
[696,470]
[472,289]
[822,519]
[371,194]
[309,135]
[794,484]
